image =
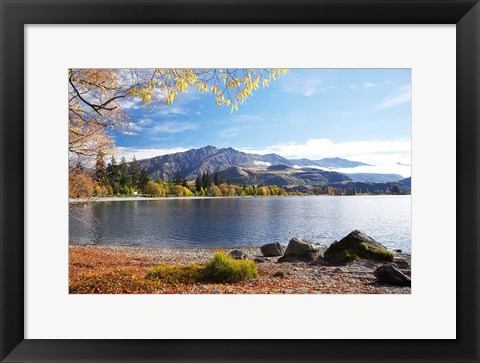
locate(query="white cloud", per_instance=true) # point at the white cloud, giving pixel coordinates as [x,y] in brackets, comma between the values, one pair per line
[310,92]
[139,153]
[369,84]
[169,110]
[245,118]
[383,155]
[130,133]
[128,104]
[262,163]
[132,126]
[173,127]
[305,86]
[399,95]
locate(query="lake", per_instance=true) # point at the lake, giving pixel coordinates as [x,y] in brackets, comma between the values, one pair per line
[231,222]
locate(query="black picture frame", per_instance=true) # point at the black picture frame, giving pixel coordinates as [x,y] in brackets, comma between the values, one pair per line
[16,14]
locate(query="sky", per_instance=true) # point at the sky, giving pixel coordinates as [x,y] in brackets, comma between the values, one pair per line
[357,114]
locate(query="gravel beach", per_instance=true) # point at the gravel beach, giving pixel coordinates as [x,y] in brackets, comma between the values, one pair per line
[122,270]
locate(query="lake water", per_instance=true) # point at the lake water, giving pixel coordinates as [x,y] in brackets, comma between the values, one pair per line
[230,222]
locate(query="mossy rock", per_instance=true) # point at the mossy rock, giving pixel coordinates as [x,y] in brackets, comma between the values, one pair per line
[357,245]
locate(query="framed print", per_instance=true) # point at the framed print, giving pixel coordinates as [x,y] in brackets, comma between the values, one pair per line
[270,181]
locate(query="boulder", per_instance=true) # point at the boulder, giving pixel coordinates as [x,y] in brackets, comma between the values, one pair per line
[238,255]
[401,263]
[390,274]
[320,261]
[272,249]
[300,250]
[357,245]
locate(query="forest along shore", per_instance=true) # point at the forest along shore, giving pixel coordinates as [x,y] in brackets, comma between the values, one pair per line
[121,269]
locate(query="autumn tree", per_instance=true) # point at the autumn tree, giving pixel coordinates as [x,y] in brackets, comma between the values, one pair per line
[154,189]
[214,191]
[97,99]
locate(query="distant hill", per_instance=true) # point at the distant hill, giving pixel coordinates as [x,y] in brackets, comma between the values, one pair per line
[281,175]
[374,177]
[406,181]
[209,159]
[328,163]
[363,187]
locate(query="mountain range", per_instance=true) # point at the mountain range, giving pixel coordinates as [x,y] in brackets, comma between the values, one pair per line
[209,159]
[244,168]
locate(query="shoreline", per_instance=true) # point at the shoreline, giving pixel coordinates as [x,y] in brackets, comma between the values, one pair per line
[134,199]
[122,270]
[248,248]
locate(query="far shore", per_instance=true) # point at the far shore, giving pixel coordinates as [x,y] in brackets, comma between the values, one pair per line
[132,199]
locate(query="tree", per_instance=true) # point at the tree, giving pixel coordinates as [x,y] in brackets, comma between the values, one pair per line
[97,99]
[143,180]
[198,184]
[178,190]
[100,176]
[217,179]
[154,189]
[134,173]
[81,185]
[125,180]
[177,178]
[206,180]
[113,171]
[97,96]
[214,191]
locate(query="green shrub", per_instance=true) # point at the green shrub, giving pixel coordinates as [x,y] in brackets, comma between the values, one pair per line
[223,268]
[175,273]
[279,274]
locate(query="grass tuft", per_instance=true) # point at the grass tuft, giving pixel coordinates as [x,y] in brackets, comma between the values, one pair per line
[175,273]
[279,274]
[223,268]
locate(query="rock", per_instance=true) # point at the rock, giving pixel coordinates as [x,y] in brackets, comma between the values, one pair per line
[390,274]
[369,264]
[320,261]
[357,244]
[272,249]
[261,259]
[238,255]
[299,250]
[337,270]
[401,262]
[399,251]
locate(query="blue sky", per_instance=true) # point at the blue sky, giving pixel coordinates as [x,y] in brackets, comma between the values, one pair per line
[358,114]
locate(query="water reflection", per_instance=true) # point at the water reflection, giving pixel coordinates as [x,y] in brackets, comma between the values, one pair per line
[243,221]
